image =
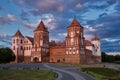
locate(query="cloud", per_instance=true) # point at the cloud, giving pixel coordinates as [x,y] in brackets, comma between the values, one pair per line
[110,40]
[54,38]
[7,19]
[89,29]
[11,17]
[24,15]
[98,25]
[3,35]
[117,7]
[62,34]
[28,25]
[111,1]
[49,21]
[5,40]
[103,15]
[88,36]
[107,25]
[78,5]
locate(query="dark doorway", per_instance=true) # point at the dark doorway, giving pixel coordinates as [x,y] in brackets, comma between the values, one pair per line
[36,60]
[58,60]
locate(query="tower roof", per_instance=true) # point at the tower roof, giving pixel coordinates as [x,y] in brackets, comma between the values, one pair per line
[95,38]
[75,23]
[88,43]
[18,34]
[41,27]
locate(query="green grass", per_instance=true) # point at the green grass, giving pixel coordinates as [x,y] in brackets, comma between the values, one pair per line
[27,75]
[102,73]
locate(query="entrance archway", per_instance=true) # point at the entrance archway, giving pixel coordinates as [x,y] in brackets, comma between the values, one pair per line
[35,59]
[58,60]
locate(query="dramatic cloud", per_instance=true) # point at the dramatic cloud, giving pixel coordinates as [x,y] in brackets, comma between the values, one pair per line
[110,40]
[49,21]
[89,29]
[3,35]
[79,5]
[5,40]
[29,25]
[100,17]
[88,36]
[7,19]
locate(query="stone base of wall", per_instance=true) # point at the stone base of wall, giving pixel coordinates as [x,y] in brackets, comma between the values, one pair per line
[97,59]
[27,59]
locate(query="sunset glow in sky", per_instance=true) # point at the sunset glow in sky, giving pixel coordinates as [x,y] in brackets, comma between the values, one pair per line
[101,17]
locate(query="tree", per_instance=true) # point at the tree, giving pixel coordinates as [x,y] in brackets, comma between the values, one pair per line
[104,57]
[6,55]
[109,58]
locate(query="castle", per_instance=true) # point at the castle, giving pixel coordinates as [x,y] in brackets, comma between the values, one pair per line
[75,49]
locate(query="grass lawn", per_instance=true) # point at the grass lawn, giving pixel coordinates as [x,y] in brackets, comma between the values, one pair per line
[27,75]
[102,73]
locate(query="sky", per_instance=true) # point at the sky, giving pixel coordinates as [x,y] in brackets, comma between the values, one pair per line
[100,17]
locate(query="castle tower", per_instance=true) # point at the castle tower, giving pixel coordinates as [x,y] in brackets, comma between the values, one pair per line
[17,46]
[40,51]
[75,46]
[97,47]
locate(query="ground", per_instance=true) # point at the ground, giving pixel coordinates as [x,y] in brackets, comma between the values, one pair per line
[27,75]
[102,73]
[64,71]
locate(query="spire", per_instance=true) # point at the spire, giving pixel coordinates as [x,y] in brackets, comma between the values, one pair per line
[41,27]
[95,38]
[18,34]
[75,23]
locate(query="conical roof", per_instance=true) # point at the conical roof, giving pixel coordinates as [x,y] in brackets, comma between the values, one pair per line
[41,27]
[18,34]
[95,38]
[75,23]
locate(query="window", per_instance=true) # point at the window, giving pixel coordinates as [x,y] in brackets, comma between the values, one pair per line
[72,34]
[13,47]
[29,48]
[72,41]
[17,40]
[21,41]
[14,41]
[21,48]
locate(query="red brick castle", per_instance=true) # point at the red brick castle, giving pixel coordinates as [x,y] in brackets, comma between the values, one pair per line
[75,49]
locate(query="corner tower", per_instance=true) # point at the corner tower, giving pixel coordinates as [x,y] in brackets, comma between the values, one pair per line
[40,51]
[97,47]
[75,46]
[17,46]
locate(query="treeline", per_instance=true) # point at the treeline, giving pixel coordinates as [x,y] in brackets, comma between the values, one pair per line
[6,55]
[110,58]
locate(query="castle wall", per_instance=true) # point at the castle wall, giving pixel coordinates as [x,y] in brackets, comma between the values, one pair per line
[57,54]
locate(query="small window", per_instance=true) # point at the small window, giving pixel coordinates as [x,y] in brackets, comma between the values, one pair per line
[14,41]
[21,41]
[29,48]
[17,40]
[21,48]
[13,47]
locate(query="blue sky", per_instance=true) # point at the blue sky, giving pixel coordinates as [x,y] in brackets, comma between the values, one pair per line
[101,17]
